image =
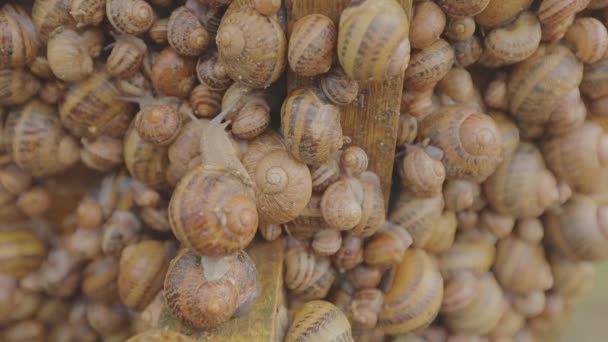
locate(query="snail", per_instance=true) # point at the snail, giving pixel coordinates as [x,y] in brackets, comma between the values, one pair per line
[373,212]
[467,52]
[319,320]
[572,279]
[429,65]
[463,8]
[498,224]
[588,39]
[310,220]
[459,194]
[145,161]
[99,279]
[408,129]
[130,16]
[157,122]
[255,58]
[49,15]
[427,25]
[324,174]
[350,253]
[173,74]
[205,224]
[365,276]
[158,31]
[457,87]
[102,154]
[88,12]
[470,141]
[22,252]
[211,72]
[459,29]
[206,102]
[365,307]
[311,45]
[421,170]
[388,246]
[417,215]
[126,57]
[105,319]
[386,54]
[308,275]
[185,33]
[310,126]
[270,232]
[204,292]
[17,86]
[475,255]
[497,13]
[84,244]
[338,87]
[19,40]
[414,296]
[342,202]
[443,234]
[68,56]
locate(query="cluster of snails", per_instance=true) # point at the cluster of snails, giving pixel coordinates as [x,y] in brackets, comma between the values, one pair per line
[500,168]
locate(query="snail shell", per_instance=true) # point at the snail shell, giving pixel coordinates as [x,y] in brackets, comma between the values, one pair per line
[327,241]
[206,102]
[459,194]
[521,267]
[365,307]
[323,175]
[251,120]
[414,297]
[283,187]
[373,40]
[308,275]
[459,29]
[428,66]
[39,144]
[39,66]
[130,16]
[173,74]
[353,161]
[373,211]
[420,174]
[578,157]
[572,279]
[350,253]
[470,141]
[467,52]
[511,43]
[577,231]
[463,8]
[552,33]
[311,127]
[185,33]
[17,85]
[387,246]
[158,124]
[68,56]
[21,252]
[185,149]
[145,161]
[595,80]
[537,84]
[555,11]
[126,56]
[338,87]
[427,25]
[48,15]
[105,319]
[310,220]
[497,224]
[475,256]
[498,13]
[99,279]
[88,12]
[588,39]
[103,154]
[408,129]
[19,44]
[254,57]
[443,234]
[365,276]
[342,203]
[417,215]
[509,133]
[211,72]
[457,86]
[319,320]
[222,222]
[90,108]
[472,305]
[158,31]
[311,45]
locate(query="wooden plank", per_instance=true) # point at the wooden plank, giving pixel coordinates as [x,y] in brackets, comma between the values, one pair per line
[263,322]
[372,121]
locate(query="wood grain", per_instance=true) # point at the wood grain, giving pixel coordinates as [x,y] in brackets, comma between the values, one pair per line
[372,120]
[263,322]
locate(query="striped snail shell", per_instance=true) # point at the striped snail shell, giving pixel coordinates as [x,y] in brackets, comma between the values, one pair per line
[417,215]
[19,43]
[308,275]
[319,320]
[475,256]
[17,85]
[338,87]
[22,252]
[429,65]
[211,72]
[145,161]
[387,246]
[185,33]
[421,174]
[173,74]
[158,124]
[126,57]
[48,15]
[130,16]
[311,45]
[498,13]
[373,33]
[588,39]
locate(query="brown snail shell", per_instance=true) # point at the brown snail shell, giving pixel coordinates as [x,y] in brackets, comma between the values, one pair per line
[414,297]
[99,279]
[102,154]
[173,74]
[429,65]
[202,223]
[39,144]
[310,220]
[327,241]
[577,230]
[499,225]
[498,13]
[308,275]
[353,161]
[421,174]
[252,120]
[158,124]
[463,8]
[90,108]
[595,81]
[145,161]
[126,57]
[323,175]
[459,29]
[68,56]
[373,211]
[19,40]
[185,149]
[248,59]
[342,203]
[17,85]
[555,11]
[158,31]
[105,319]
[311,45]
[48,15]
[578,157]
[475,256]
[388,246]
[311,127]
[537,84]
[467,52]
[373,34]
[206,102]
[39,66]
[427,24]
[588,39]
[319,320]
[211,72]
[417,215]
[470,141]
[338,87]
[130,16]
[88,12]
[511,43]
[365,276]
[22,252]
[185,33]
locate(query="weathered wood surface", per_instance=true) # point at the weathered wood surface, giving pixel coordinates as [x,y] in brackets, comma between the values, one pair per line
[263,323]
[372,120]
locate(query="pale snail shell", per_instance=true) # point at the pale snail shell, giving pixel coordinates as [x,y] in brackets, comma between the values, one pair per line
[308,275]
[88,12]
[427,25]
[588,39]
[417,215]
[17,85]
[311,45]
[420,173]
[19,40]
[48,15]
[126,57]
[342,203]
[319,320]
[463,8]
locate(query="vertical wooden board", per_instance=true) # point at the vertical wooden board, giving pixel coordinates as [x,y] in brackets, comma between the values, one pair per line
[263,323]
[372,121]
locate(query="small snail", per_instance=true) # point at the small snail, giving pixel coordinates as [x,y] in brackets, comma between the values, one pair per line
[475,256]
[311,127]
[254,57]
[157,122]
[319,320]
[421,171]
[145,161]
[204,292]
[427,25]
[88,12]
[341,204]
[323,175]
[130,16]
[310,220]
[19,40]
[308,275]
[443,234]
[388,246]
[499,225]
[99,279]
[102,154]
[17,85]
[457,87]
[126,57]
[429,65]
[48,15]
[470,141]
[467,52]
[311,45]
[417,215]
[350,253]
[498,13]
[386,54]
[463,8]
[211,72]
[414,296]
[158,31]
[365,276]
[185,33]
[588,39]
[327,242]
[459,194]
[338,87]
[22,252]
[459,29]
[206,102]
[123,228]
[173,74]
[68,56]
[365,308]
